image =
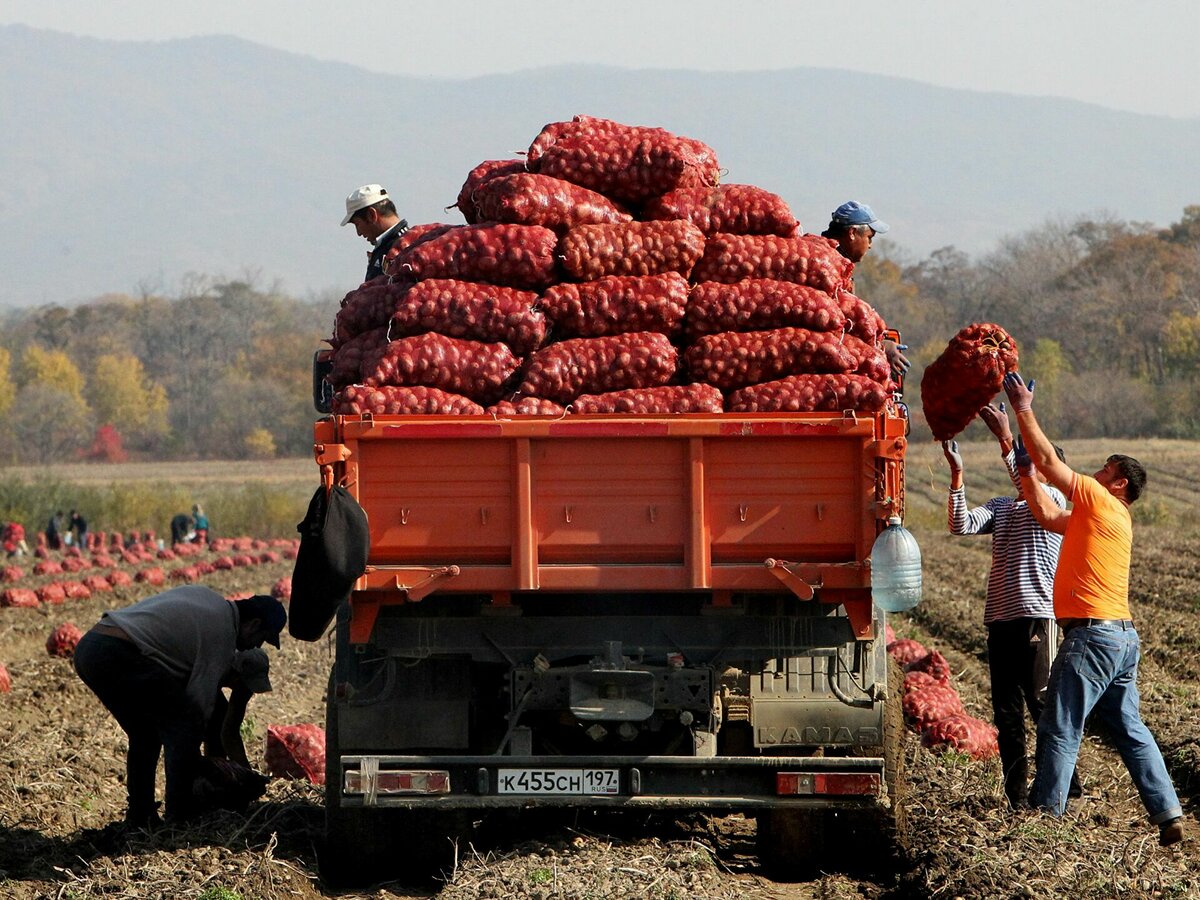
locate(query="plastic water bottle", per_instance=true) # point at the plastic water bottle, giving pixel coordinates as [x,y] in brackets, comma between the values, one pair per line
[895,568]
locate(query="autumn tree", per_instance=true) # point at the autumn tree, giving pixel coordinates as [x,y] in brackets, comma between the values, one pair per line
[122,395]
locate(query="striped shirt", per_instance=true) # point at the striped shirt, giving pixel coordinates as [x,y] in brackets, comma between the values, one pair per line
[1024,555]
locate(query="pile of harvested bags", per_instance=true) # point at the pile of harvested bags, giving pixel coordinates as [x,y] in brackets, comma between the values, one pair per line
[932,706]
[609,272]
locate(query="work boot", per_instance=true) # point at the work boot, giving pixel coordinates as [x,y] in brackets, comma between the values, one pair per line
[1171,831]
[1075,791]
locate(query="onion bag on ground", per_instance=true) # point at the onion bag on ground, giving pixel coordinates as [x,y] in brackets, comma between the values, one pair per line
[589,252]
[616,304]
[810,393]
[529,199]
[670,399]
[966,377]
[964,734]
[930,704]
[476,370]
[62,640]
[520,256]
[348,358]
[563,371]
[470,310]
[732,360]
[915,681]
[732,208]
[20,597]
[631,164]
[906,650]
[390,400]
[805,259]
[482,173]
[367,307]
[759,304]
[296,751]
[932,663]
[526,406]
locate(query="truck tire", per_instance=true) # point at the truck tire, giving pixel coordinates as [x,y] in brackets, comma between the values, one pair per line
[796,844]
[366,846]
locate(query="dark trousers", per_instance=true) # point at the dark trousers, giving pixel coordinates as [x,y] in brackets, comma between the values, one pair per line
[151,706]
[1020,652]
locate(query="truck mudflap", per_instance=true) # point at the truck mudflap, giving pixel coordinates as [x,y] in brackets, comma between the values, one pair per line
[652,782]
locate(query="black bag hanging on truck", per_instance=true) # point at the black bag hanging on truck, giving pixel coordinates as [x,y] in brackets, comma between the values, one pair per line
[334,541]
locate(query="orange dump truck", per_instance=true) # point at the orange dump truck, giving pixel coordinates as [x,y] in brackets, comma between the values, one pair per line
[650,612]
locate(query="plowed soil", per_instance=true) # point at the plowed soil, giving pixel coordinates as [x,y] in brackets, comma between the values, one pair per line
[62,761]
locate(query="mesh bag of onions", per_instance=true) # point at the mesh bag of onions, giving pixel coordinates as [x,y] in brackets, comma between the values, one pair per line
[966,377]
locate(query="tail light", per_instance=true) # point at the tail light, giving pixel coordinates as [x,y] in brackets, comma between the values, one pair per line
[838,784]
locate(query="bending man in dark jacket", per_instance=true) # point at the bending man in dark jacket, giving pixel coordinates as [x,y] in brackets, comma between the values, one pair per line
[157,666]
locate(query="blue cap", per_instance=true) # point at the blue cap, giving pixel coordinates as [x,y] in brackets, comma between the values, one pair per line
[854,213]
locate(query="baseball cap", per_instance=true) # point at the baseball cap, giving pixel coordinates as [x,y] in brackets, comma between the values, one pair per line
[367,195]
[270,611]
[253,668]
[854,213]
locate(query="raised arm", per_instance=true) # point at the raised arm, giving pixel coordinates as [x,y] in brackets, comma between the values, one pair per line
[996,418]
[1038,446]
[1048,514]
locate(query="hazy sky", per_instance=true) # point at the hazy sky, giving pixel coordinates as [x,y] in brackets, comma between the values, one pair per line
[1134,55]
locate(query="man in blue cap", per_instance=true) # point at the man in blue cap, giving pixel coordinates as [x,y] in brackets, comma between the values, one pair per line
[853,226]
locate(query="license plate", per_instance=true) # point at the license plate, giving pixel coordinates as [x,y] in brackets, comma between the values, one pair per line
[557,781]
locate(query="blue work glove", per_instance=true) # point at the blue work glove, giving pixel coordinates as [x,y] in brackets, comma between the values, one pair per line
[953,457]
[1020,394]
[996,419]
[1021,458]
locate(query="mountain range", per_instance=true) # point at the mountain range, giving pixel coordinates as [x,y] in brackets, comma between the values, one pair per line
[129,166]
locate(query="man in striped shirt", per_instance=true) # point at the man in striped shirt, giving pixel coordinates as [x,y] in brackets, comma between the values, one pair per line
[1019,613]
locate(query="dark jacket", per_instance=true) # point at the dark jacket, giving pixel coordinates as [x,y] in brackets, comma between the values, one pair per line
[382,246]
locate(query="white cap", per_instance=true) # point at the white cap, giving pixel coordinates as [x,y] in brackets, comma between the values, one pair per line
[367,195]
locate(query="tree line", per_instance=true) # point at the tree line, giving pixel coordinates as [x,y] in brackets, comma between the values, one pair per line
[1106,314]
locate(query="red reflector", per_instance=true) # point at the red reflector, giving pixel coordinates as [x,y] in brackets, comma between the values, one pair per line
[412,782]
[827,783]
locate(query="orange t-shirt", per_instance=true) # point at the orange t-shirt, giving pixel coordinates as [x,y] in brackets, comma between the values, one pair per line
[1092,581]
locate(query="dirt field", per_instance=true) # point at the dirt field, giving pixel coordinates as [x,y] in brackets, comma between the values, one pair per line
[61,757]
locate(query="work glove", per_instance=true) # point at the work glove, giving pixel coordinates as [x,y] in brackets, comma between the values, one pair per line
[896,359]
[953,457]
[1020,394]
[996,418]
[1021,457]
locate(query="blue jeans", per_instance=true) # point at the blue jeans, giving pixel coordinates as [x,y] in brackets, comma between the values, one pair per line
[1096,670]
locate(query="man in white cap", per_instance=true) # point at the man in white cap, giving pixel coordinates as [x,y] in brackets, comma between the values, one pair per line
[375,218]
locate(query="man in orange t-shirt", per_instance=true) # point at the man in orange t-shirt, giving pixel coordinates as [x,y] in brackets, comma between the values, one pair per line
[1096,667]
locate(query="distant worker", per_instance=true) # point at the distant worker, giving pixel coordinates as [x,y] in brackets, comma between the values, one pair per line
[1022,637]
[78,528]
[157,666]
[199,525]
[853,226]
[54,531]
[181,528]
[1097,665]
[375,218]
[13,540]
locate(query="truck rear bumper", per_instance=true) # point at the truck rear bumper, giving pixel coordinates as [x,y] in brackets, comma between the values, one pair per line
[663,782]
